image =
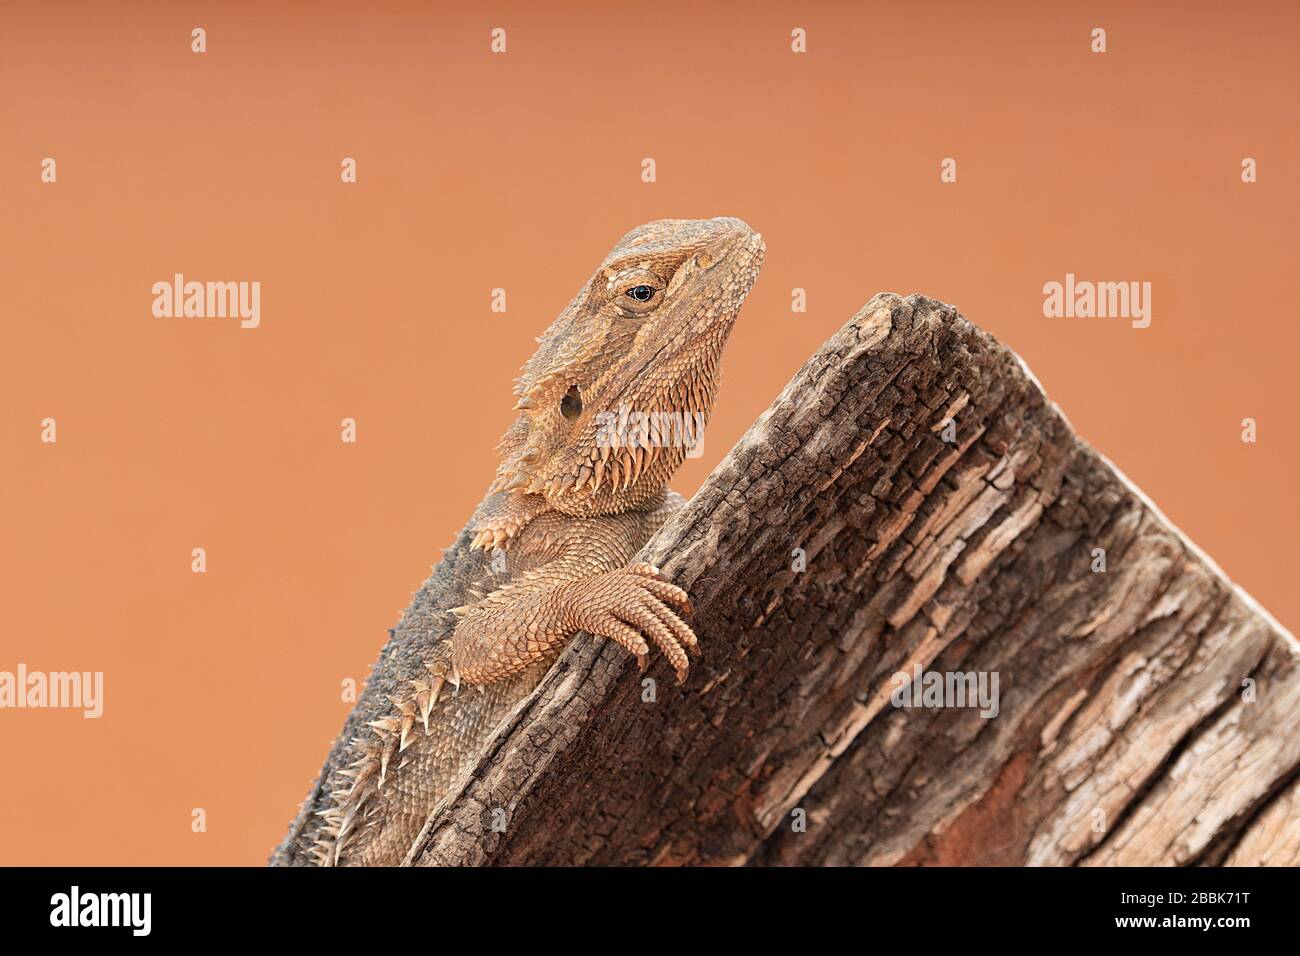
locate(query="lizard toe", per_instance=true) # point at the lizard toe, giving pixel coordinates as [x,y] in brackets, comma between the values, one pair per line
[626,637]
[649,623]
[681,631]
[669,593]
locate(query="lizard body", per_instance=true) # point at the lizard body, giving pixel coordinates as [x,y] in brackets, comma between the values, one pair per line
[608,406]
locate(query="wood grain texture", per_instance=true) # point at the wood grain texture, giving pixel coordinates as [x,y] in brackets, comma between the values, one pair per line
[1147,712]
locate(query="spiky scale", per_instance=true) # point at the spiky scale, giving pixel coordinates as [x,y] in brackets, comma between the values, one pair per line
[389,748]
[386,725]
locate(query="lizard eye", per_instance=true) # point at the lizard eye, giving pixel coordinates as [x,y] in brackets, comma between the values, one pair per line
[638,292]
[571,404]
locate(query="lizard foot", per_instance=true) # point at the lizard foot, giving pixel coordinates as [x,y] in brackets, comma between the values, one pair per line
[633,604]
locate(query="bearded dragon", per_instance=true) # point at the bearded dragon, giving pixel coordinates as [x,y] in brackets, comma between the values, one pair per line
[607,408]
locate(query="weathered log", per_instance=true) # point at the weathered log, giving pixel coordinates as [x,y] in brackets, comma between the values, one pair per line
[951,521]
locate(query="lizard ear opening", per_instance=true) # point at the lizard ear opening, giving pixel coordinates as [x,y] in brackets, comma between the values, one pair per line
[571,404]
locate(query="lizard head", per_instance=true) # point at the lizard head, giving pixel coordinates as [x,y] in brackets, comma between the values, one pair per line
[621,386]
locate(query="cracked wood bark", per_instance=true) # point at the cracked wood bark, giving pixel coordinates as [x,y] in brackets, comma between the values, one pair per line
[1147,712]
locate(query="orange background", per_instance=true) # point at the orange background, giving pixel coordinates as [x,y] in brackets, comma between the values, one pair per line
[222,690]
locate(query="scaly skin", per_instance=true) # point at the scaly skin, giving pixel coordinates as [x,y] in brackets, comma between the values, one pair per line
[582,485]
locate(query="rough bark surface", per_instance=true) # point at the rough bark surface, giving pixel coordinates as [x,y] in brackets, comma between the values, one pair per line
[1147,712]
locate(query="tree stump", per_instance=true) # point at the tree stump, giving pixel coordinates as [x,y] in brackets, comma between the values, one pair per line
[911,504]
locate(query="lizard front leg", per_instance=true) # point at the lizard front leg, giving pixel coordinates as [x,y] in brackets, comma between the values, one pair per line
[527,621]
